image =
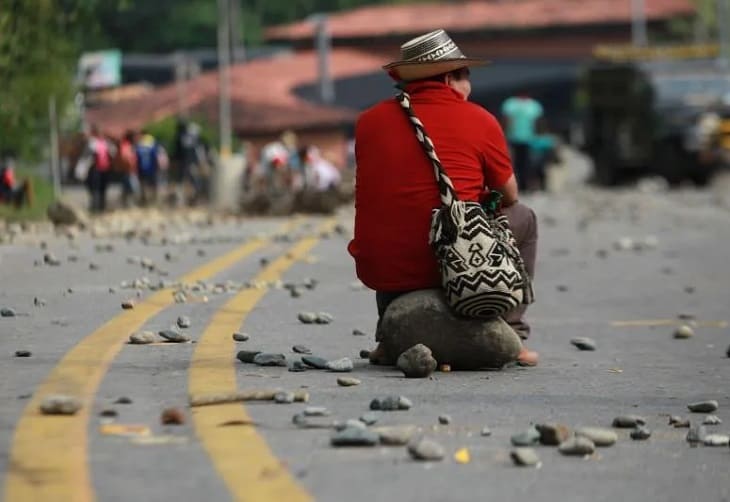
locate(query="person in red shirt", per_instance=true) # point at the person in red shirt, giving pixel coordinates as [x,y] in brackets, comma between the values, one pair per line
[395,188]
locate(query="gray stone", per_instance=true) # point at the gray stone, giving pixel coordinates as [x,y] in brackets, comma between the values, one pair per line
[349,423]
[354,436]
[426,450]
[584,343]
[142,338]
[307,317]
[712,420]
[7,312]
[60,405]
[298,367]
[128,304]
[301,349]
[183,322]
[703,406]
[123,400]
[284,397]
[173,336]
[63,212]
[23,353]
[348,382]
[525,457]
[315,362]
[628,421]
[391,403]
[240,337]
[343,365]
[397,435]
[424,317]
[696,434]
[444,419]
[641,433]
[553,434]
[316,411]
[39,302]
[247,356]
[357,332]
[599,435]
[93,266]
[265,359]
[684,332]
[324,318]
[370,418]
[364,354]
[51,259]
[417,362]
[486,432]
[109,413]
[716,440]
[577,446]
[530,437]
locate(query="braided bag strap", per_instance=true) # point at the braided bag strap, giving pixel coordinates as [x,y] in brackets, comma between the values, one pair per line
[446,188]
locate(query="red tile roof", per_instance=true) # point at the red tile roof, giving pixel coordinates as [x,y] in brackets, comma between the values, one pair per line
[386,20]
[262,95]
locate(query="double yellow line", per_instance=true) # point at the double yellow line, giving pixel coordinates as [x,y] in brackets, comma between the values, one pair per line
[49,454]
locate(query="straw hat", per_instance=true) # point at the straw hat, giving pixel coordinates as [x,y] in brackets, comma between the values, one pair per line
[430,55]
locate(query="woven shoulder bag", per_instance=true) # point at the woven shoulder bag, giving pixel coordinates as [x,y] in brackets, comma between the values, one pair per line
[482,271]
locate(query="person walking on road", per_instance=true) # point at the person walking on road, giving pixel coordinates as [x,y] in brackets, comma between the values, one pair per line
[148,164]
[98,158]
[520,114]
[395,188]
[128,168]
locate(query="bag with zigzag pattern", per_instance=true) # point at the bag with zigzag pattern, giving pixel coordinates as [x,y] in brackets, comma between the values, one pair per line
[482,271]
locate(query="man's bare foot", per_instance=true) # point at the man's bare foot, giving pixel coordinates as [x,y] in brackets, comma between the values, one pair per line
[527,357]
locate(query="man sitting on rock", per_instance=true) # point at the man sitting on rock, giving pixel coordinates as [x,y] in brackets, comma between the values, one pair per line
[396,192]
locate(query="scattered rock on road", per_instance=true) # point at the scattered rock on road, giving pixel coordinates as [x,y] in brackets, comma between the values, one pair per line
[298,367]
[123,400]
[426,450]
[525,457]
[712,420]
[128,304]
[584,343]
[444,419]
[307,317]
[142,338]
[7,312]
[354,436]
[696,434]
[599,435]
[240,337]
[716,440]
[172,336]
[369,418]
[684,332]
[703,406]
[529,437]
[357,332]
[284,397]
[23,353]
[183,322]
[364,354]
[51,259]
[348,382]
[349,423]
[315,362]
[60,405]
[577,446]
[396,435]
[247,356]
[641,433]
[391,403]
[553,434]
[316,411]
[265,359]
[343,365]
[39,302]
[417,362]
[628,421]
[486,432]
[301,349]
[63,212]
[172,416]
[324,318]
[109,413]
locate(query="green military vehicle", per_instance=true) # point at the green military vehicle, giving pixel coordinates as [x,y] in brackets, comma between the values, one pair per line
[656,111]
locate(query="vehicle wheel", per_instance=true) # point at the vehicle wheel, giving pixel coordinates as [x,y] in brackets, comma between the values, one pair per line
[671,162]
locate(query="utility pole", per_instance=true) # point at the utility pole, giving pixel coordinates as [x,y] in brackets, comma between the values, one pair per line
[324,48]
[224,77]
[723,31]
[55,160]
[638,23]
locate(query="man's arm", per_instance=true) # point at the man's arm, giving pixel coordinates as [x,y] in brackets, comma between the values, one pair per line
[509,191]
[498,173]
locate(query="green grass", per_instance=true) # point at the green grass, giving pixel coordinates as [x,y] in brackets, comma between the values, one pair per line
[42,198]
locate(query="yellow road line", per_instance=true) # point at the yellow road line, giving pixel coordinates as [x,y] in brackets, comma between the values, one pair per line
[240,454]
[49,455]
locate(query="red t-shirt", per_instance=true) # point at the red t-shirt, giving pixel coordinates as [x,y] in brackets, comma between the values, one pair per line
[395,188]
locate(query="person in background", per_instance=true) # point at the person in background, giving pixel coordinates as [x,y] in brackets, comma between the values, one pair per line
[12,191]
[148,166]
[543,151]
[321,175]
[99,152]
[128,167]
[192,158]
[273,165]
[520,114]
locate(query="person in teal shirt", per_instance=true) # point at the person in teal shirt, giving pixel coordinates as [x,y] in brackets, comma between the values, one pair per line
[520,114]
[543,151]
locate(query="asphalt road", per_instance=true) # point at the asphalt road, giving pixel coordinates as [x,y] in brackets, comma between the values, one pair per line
[627,300]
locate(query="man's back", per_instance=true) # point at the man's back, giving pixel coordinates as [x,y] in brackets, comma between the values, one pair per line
[396,188]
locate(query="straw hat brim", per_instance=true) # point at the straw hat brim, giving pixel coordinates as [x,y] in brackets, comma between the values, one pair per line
[413,70]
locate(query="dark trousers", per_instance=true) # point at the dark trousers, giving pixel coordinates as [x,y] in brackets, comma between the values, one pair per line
[523,223]
[521,164]
[98,183]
